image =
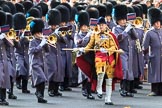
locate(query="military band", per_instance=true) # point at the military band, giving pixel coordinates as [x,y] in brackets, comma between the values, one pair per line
[113,41]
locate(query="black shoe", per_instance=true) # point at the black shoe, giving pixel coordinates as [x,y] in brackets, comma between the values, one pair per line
[133,91]
[41,100]
[61,88]
[90,97]
[84,93]
[12,96]
[51,93]
[130,94]
[109,103]
[123,93]
[18,86]
[1,102]
[67,89]
[100,96]
[138,87]
[25,91]
[4,102]
[57,94]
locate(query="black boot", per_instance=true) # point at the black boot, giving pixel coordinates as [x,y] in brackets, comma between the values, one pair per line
[137,83]
[89,95]
[18,82]
[65,85]
[56,89]
[84,90]
[40,93]
[3,97]
[51,89]
[10,92]
[24,85]
[130,88]
[123,85]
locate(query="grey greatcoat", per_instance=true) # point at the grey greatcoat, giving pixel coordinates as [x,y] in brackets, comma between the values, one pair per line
[153,39]
[125,43]
[12,59]
[111,24]
[38,61]
[65,42]
[138,58]
[54,62]
[22,58]
[4,73]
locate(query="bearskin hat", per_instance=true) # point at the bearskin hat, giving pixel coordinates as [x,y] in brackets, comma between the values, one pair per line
[130,9]
[54,17]
[80,7]
[3,18]
[27,5]
[40,10]
[34,12]
[6,8]
[36,26]
[120,12]
[44,7]
[12,7]
[109,8]
[137,11]
[102,10]
[68,6]
[9,19]
[54,4]
[113,2]
[20,7]
[74,11]
[154,15]
[144,6]
[83,18]
[64,12]
[19,21]
[93,12]
[2,2]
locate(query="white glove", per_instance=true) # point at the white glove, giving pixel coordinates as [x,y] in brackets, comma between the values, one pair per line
[128,28]
[2,36]
[103,50]
[22,35]
[81,49]
[43,42]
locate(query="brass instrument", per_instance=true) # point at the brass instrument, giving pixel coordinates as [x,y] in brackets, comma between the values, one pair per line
[138,45]
[62,33]
[30,38]
[52,39]
[138,22]
[12,35]
[29,19]
[65,30]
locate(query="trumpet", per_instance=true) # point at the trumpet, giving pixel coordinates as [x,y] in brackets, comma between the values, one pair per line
[29,38]
[12,35]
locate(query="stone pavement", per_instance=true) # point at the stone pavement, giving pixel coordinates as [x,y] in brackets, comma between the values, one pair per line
[74,99]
